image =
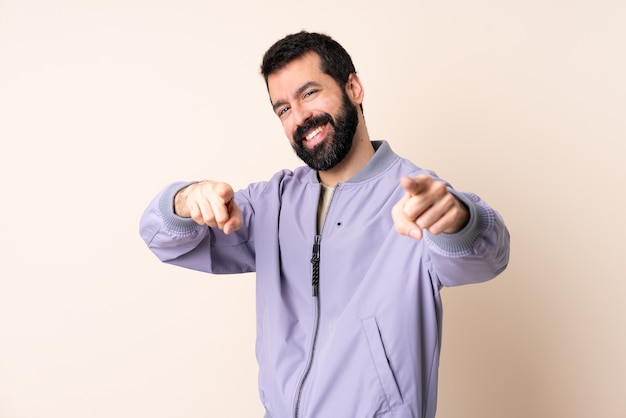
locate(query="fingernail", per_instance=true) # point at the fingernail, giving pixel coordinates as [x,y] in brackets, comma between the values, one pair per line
[415,233]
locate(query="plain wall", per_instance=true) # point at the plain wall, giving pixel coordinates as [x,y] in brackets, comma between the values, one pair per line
[103,103]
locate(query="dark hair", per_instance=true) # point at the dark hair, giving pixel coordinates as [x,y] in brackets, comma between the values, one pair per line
[335,60]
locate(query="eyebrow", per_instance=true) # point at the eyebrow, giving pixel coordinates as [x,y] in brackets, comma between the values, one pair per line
[299,92]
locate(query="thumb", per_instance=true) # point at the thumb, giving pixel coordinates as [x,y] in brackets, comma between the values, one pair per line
[225,193]
[403,225]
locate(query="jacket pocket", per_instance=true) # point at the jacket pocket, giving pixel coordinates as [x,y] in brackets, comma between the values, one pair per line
[381,363]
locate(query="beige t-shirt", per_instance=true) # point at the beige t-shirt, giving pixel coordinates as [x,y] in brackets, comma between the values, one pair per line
[322,208]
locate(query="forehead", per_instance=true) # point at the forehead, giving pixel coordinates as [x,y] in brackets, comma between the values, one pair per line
[302,70]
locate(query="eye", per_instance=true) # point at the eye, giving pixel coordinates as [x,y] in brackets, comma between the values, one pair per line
[310,93]
[282,110]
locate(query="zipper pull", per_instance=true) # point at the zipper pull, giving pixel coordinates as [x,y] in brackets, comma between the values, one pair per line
[315,260]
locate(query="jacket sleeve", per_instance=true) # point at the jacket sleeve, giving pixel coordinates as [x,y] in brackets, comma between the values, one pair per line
[181,241]
[477,253]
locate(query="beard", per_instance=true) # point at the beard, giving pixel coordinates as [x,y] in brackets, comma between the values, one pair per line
[336,146]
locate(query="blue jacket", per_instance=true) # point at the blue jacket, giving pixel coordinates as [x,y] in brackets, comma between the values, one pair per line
[348,321]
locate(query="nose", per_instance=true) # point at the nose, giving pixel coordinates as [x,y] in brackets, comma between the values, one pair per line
[300,114]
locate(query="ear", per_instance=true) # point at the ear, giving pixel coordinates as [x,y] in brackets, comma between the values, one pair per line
[354,88]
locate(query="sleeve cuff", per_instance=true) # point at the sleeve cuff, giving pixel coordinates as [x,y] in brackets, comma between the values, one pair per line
[461,243]
[171,220]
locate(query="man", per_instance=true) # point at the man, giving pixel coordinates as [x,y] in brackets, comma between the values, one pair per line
[350,251]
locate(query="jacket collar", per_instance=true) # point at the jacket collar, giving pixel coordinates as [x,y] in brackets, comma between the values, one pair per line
[382,159]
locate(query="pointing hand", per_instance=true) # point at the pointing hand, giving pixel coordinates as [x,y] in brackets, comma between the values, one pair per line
[428,205]
[209,203]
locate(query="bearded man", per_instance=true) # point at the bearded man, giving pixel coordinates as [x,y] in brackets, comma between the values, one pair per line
[350,251]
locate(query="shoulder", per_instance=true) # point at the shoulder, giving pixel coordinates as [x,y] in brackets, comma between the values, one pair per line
[280,180]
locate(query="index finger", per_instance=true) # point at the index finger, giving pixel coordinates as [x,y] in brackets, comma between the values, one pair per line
[410,185]
[415,185]
[220,201]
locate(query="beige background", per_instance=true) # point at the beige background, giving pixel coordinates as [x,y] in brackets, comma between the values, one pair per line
[102,103]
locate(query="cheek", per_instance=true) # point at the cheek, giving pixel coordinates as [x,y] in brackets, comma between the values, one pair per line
[288,128]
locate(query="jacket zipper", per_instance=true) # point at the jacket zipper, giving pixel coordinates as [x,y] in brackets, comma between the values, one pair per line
[315,261]
[315,280]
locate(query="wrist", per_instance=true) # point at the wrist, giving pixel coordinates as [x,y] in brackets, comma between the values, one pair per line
[180,202]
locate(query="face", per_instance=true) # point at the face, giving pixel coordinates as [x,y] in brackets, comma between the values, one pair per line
[317,115]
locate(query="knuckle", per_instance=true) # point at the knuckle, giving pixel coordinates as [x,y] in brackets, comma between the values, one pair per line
[195,213]
[439,188]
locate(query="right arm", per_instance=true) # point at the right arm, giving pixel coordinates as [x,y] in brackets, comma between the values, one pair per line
[199,226]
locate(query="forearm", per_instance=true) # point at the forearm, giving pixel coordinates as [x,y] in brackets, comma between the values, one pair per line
[185,242]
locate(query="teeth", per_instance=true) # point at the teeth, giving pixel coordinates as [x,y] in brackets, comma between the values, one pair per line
[313,133]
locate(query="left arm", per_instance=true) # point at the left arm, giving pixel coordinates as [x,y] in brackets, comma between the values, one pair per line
[469,240]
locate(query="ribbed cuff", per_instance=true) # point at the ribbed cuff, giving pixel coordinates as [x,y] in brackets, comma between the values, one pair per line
[461,243]
[171,220]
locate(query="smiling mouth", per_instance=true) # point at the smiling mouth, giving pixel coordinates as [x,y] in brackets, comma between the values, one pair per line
[313,133]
